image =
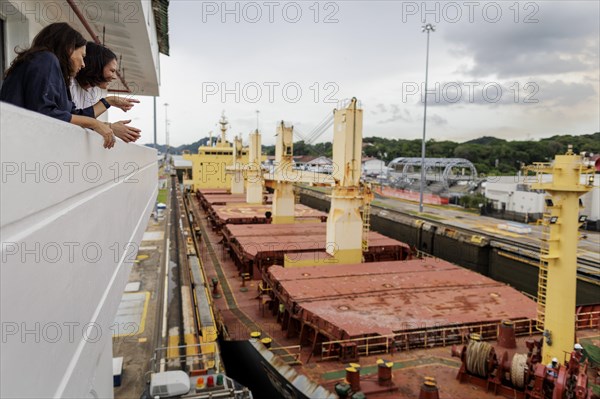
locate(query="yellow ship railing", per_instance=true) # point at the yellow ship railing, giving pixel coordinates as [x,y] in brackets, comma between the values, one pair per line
[442,336]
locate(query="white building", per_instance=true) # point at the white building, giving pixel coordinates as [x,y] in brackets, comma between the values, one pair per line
[320,164]
[510,193]
[373,167]
[513,194]
[183,168]
[72,213]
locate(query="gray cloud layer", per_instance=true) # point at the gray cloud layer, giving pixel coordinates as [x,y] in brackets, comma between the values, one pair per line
[565,39]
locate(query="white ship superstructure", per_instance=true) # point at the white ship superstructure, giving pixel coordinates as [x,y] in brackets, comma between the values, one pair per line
[72,214]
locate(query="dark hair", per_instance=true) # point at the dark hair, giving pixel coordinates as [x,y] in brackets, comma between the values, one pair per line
[58,38]
[96,58]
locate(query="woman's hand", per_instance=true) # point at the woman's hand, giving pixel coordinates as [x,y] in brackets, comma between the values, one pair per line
[126,133]
[106,132]
[123,103]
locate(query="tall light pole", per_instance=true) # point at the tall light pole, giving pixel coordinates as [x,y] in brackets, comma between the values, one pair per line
[167,127]
[426,28]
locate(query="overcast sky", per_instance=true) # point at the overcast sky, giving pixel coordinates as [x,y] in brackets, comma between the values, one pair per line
[511,70]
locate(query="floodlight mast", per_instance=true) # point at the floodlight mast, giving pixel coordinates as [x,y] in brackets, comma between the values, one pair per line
[426,28]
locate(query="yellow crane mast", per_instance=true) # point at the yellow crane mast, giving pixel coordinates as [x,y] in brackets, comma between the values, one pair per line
[558,257]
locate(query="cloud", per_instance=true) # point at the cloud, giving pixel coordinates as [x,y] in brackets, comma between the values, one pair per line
[381,108]
[438,120]
[565,39]
[525,93]
[559,54]
[565,94]
[397,114]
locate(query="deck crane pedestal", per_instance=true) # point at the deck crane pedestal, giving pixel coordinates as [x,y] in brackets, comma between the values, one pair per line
[552,368]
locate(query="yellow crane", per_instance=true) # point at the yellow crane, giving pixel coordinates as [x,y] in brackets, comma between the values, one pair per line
[558,258]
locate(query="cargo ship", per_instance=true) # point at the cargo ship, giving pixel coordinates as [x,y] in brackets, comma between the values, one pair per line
[329,308]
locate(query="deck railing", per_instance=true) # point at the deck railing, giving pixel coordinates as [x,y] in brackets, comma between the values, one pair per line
[290,355]
[442,336]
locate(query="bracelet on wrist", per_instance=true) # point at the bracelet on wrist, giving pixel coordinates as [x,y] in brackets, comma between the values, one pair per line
[105,102]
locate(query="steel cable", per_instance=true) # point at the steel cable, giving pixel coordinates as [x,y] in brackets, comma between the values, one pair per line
[478,354]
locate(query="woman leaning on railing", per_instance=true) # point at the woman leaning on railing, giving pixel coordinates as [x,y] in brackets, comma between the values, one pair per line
[39,76]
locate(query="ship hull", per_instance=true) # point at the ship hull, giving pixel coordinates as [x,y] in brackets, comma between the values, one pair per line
[246,365]
[70,233]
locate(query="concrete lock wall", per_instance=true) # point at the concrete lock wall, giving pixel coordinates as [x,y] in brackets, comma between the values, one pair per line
[72,217]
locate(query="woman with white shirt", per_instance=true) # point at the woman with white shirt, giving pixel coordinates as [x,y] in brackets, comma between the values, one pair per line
[87,88]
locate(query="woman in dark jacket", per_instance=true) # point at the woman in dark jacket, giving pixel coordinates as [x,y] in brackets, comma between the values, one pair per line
[39,77]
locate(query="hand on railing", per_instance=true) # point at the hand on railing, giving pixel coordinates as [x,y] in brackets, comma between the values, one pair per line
[106,132]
